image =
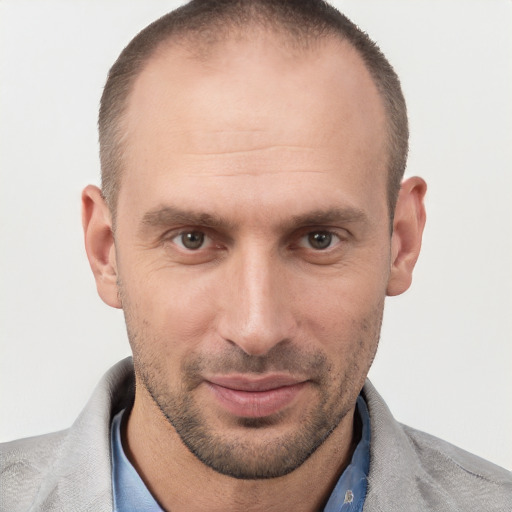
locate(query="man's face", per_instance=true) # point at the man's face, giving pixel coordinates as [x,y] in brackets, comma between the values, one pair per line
[253,246]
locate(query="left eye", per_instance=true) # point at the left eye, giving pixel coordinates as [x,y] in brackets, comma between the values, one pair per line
[191,240]
[319,240]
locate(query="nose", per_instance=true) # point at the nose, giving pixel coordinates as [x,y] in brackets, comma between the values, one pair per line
[257,312]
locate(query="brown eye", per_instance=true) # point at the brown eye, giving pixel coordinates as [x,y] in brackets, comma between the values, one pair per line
[191,240]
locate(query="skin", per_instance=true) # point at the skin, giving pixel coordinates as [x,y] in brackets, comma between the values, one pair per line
[259,148]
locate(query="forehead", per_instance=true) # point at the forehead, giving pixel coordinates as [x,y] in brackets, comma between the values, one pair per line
[254,108]
[239,84]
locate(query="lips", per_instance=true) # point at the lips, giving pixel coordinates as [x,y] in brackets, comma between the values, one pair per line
[255,398]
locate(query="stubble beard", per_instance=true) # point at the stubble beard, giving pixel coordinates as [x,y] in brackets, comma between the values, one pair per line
[255,454]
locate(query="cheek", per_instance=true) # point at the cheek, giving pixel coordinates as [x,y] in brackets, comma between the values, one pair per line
[344,312]
[167,309]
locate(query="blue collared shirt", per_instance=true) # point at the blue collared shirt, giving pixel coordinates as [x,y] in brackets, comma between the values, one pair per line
[130,492]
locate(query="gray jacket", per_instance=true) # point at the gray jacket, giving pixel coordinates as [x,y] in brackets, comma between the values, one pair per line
[409,470]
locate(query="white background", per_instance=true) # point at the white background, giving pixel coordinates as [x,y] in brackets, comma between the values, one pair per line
[444,364]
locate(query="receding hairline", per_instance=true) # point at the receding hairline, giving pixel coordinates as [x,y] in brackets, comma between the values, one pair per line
[186,49]
[201,40]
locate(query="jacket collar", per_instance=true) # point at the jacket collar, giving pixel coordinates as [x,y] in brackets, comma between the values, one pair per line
[81,471]
[397,480]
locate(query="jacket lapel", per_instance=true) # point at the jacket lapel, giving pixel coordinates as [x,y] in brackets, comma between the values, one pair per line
[398,480]
[80,476]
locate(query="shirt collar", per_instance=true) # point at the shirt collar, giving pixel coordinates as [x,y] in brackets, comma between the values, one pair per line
[130,492]
[349,492]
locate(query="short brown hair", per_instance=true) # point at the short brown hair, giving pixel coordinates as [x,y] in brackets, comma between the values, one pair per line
[207,21]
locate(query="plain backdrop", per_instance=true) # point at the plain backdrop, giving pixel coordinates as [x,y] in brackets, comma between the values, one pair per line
[444,363]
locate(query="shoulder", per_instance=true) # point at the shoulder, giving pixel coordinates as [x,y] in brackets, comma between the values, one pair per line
[24,463]
[456,466]
[411,470]
[68,470]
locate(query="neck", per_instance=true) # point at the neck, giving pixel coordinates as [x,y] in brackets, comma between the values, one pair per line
[180,482]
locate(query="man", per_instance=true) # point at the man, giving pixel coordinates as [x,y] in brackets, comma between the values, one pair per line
[251,222]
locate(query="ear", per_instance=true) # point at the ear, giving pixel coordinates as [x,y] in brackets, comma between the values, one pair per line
[408,224]
[99,244]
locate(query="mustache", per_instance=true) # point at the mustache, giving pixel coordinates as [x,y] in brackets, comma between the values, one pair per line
[283,357]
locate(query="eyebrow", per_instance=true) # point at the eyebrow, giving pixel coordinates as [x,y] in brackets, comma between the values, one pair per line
[332,215]
[169,216]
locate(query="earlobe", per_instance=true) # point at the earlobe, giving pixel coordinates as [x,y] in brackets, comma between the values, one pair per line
[408,224]
[99,244]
